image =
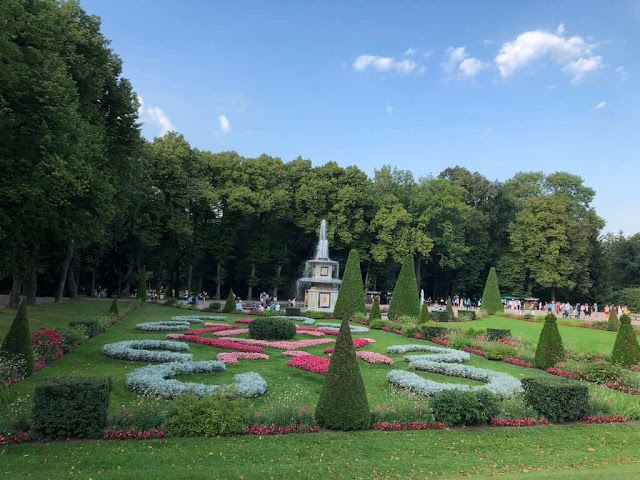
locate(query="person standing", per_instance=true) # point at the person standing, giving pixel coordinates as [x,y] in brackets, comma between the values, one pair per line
[606,311]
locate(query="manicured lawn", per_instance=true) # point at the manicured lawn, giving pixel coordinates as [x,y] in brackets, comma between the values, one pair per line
[576,451]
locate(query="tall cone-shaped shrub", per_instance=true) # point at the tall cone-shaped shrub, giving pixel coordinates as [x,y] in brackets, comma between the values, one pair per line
[424,314]
[351,295]
[613,324]
[343,403]
[114,308]
[550,350]
[17,344]
[405,300]
[142,284]
[375,313]
[450,315]
[491,298]
[230,304]
[626,351]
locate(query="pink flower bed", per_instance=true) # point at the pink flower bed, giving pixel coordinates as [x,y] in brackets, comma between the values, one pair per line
[475,351]
[600,419]
[439,341]
[407,426]
[310,363]
[517,361]
[314,332]
[244,320]
[214,328]
[375,358]
[233,357]
[357,343]
[282,345]
[274,430]
[417,336]
[562,373]
[517,422]
[128,434]
[237,331]
[225,343]
[295,353]
[510,341]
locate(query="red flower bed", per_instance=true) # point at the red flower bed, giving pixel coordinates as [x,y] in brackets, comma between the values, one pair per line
[386,426]
[634,368]
[621,388]
[562,373]
[48,346]
[417,336]
[310,363]
[600,419]
[510,341]
[215,328]
[218,343]
[357,343]
[474,351]
[386,329]
[398,332]
[517,422]
[17,438]
[128,434]
[440,341]
[274,430]
[244,320]
[517,361]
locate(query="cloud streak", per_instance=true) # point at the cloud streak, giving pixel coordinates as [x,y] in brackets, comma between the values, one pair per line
[156,117]
[385,64]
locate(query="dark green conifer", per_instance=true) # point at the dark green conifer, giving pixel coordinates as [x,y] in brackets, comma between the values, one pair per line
[375,313]
[550,350]
[230,304]
[17,344]
[491,298]
[626,351]
[613,324]
[114,307]
[351,296]
[405,300]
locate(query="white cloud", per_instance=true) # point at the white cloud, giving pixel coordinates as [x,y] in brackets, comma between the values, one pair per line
[225,126]
[574,54]
[156,117]
[622,73]
[389,109]
[385,64]
[409,52]
[487,43]
[602,104]
[457,60]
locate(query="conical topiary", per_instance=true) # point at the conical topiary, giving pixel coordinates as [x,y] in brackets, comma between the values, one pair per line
[114,308]
[351,296]
[17,344]
[424,314]
[626,351]
[450,315]
[613,324]
[343,403]
[550,350]
[491,298]
[375,313]
[142,284]
[230,304]
[405,300]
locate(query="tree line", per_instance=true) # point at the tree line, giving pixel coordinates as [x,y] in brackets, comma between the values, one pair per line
[86,201]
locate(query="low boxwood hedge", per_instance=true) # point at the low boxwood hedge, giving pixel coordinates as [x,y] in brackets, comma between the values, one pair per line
[434,332]
[467,314]
[292,311]
[495,334]
[557,399]
[272,328]
[440,315]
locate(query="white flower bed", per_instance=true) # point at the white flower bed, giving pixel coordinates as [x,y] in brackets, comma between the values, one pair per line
[308,321]
[159,380]
[336,326]
[167,325]
[446,362]
[447,355]
[148,351]
[197,318]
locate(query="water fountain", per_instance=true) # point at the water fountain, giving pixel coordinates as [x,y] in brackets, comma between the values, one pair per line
[321,281]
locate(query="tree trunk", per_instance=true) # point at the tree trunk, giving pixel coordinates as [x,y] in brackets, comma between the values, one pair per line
[250,289]
[189,277]
[16,287]
[199,286]
[218,280]
[71,277]
[93,283]
[554,291]
[418,262]
[64,272]
[366,277]
[127,283]
[277,282]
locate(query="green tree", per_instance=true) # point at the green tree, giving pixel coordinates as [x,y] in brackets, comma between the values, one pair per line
[343,403]
[549,350]
[424,314]
[405,299]
[491,298]
[17,344]
[230,304]
[613,324]
[375,313]
[626,351]
[351,296]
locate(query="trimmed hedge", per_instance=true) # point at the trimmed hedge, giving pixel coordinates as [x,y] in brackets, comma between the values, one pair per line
[405,300]
[557,399]
[498,351]
[215,306]
[435,332]
[550,349]
[495,334]
[491,298]
[91,327]
[70,407]
[343,403]
[292,311]
[17,343]
[463,407]
[230,304]
[378,324]
[375,313]
[351,295]
[440,316]
[626,351]
[467,314]
[272,328]
[208,416]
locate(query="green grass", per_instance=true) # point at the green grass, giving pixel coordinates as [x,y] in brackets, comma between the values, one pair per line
[577,451]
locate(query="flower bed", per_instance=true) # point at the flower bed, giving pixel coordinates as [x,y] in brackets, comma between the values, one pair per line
[225,343]
[244,320]
[517,422]
[237,331]
[440,341]
[148,351]
[199,318]
[159,380]
[281,345]
[275,430]
[357,343]
[128,434]
[336,326]
[448,355]
[475,351]
[562,373]
[310,363]
[215,328]
[314,332]
[388,426]
[295,353]
[166,326]
[601,419]
[621,388]
[233,357]
[374,358]
[13,439]
[517,361]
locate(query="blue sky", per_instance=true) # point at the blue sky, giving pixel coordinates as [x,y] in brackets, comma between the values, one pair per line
[497,87]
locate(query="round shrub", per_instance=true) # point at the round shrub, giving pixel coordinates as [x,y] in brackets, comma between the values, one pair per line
[463,407]
[626,351]
[195,416]
[460,341]
[272,328]
[601,372]
[550,350]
